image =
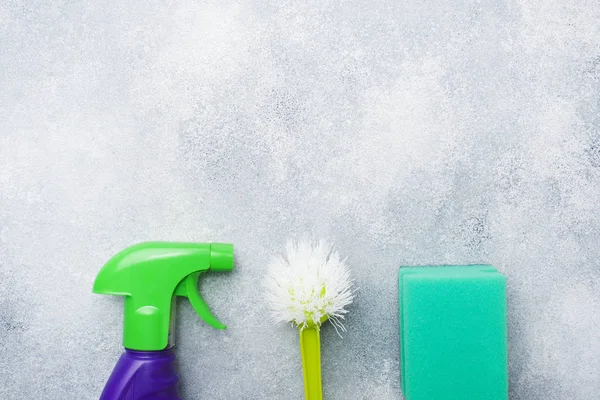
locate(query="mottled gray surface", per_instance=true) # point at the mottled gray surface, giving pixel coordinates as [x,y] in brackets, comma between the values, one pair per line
[408,132]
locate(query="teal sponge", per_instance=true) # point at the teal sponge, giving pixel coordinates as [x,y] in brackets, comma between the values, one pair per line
[453,333]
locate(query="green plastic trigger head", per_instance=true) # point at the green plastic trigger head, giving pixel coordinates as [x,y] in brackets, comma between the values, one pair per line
[150,275]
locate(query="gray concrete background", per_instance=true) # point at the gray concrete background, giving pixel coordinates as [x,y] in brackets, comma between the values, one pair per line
[407,132]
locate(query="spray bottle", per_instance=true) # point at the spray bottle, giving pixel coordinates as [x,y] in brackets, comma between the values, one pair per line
[150,276]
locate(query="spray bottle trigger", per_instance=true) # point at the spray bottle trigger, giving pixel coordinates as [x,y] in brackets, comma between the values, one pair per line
[189,288]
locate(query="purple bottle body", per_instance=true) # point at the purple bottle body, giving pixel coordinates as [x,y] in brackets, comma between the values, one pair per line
[143,375]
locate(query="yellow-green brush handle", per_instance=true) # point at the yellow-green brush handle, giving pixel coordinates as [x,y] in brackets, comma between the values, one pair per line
[310,346]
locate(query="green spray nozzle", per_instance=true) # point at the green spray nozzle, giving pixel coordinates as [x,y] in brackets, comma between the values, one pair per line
[150,275]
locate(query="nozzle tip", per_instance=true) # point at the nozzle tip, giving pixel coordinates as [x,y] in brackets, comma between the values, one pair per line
[221,257]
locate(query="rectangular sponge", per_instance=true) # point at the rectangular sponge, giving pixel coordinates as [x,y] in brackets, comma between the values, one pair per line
[453,333]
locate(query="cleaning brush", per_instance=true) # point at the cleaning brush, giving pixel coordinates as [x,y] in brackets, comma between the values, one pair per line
[306,286]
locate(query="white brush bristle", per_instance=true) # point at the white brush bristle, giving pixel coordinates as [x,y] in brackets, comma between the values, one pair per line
[309,282]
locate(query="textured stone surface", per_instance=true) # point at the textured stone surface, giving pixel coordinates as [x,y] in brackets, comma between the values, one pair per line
[406,132]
